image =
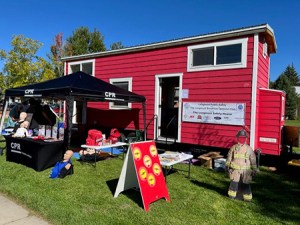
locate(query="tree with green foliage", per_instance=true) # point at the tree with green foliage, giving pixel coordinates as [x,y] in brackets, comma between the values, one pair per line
[2,83]
[292,75]
[22,65]
[283,83]
[116,45]
[82,41]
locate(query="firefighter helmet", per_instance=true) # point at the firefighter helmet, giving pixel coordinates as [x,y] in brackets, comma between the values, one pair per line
[242,133]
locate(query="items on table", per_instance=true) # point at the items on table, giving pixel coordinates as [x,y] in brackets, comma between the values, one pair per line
[95,138]
[114,135]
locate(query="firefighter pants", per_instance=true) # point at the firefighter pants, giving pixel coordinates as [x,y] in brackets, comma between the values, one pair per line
[240,182]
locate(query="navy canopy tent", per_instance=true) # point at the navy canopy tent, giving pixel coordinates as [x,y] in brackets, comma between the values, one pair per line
[77,86]
[80,86]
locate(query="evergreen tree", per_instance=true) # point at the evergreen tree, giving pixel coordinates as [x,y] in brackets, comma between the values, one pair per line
[82,41]
[283,83]
[292,75]
[116,45]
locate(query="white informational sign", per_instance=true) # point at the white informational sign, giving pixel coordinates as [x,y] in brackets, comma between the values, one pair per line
[217,113]
[185,93]
[269,140]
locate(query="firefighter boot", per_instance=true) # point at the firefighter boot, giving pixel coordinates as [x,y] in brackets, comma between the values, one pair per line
[233,189]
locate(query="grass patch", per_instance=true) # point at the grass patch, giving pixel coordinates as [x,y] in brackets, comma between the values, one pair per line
[292,123]
[86,197]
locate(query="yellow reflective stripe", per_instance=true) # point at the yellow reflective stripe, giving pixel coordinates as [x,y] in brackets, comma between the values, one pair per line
[240,156]
[237,167]
[232,193]
[253,167]
[247,197]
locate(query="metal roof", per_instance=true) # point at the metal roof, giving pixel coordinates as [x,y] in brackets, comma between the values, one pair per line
[263,28]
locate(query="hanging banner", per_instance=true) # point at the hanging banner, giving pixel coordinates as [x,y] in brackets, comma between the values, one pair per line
[217,113]
[142,169]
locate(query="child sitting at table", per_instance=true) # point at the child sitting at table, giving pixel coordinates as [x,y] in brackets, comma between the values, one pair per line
[22,130]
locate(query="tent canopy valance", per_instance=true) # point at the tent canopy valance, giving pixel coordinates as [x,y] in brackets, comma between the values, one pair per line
[80,85]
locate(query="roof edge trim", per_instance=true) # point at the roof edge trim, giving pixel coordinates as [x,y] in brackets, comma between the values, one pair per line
[188,40]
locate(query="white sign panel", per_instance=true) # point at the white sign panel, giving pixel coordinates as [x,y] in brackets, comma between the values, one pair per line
[270,140]
[185,93]
[217,113]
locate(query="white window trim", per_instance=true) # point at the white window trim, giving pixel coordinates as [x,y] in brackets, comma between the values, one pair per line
[242,64]
[81,62]
[124,79]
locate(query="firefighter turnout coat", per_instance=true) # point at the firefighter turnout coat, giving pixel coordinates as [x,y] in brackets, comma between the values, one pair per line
[241,163]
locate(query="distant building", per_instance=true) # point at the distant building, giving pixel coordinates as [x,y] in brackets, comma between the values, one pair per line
[297,88]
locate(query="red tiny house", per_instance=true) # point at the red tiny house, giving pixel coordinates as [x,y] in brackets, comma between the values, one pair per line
[172,73]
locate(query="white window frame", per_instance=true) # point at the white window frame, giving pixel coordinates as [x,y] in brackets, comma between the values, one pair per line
[242,64]
[124,79]
[80,63]
[74,117]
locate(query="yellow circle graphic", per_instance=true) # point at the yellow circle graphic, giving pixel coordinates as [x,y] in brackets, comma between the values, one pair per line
[143,173]
[153,150]
[151,180]
[137,153]
[147,161]
[156,169]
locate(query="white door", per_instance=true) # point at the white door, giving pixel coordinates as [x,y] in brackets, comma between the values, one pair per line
[168,106]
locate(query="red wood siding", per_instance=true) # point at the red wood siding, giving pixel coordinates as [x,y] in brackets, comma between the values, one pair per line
[270,109]
[230,85]
[142,68]
[262,82]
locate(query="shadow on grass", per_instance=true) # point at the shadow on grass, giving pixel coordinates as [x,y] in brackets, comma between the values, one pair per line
[221,190]
[131,193]
[278,195]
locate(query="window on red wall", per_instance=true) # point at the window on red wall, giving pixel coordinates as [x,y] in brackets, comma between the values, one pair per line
[218,55]
[126,84]
[86,66]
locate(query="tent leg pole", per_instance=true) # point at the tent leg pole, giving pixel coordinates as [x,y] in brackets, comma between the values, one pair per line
[144,116]
[3,114]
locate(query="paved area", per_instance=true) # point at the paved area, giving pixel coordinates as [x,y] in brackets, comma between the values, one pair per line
[13,214]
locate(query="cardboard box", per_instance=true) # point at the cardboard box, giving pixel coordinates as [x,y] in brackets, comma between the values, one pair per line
[212,155]
[205,161]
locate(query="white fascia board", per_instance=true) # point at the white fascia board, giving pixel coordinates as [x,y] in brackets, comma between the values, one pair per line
[254,90]
[210,37]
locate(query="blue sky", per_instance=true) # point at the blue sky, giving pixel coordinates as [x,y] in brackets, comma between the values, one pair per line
[141,22]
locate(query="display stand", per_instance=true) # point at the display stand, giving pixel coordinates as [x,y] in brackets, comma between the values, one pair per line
[141,169]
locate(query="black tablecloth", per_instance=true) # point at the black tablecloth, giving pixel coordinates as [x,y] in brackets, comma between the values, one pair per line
[36,154]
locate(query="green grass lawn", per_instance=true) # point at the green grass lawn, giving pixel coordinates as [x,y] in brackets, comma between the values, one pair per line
[292,123]
[86,197]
